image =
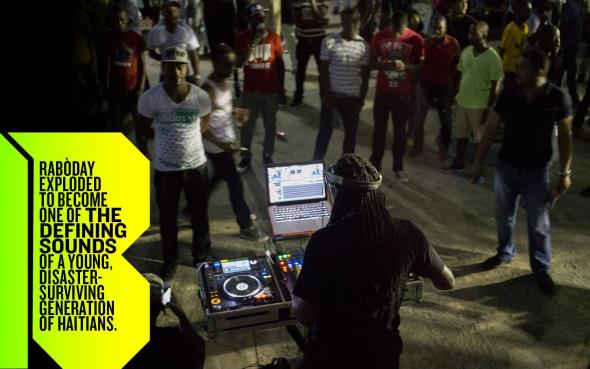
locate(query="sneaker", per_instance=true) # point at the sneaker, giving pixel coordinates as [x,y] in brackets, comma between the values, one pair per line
[401,177]
[585,192]
[252,233]
[167,272]
[545,283]
[243,166]
[453,168]
[267,159]
[281,135]
[296,102]
[494,262]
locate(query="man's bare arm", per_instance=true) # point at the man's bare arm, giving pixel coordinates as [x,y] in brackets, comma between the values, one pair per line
[365,72]
[141,70]
[565,143]
[143,132]
[306,313]
[194,59]
[445,280]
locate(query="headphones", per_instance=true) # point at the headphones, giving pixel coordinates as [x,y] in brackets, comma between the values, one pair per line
[333,179]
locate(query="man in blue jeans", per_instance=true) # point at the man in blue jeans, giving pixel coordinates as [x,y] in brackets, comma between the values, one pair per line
[529,110]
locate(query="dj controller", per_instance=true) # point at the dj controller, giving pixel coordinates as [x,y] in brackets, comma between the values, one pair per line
[239,282]
[249,293]
[242,293]
[289,265]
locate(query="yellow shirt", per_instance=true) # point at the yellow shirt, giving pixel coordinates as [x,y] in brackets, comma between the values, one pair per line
[513,39]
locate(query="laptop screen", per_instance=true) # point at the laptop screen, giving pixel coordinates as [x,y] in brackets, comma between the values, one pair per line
[296,182]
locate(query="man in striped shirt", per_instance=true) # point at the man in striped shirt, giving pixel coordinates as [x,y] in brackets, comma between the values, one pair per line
[344,76]
[309,17]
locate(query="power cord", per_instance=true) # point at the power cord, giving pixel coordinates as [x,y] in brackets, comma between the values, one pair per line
[198,271]
[257,365]
[256,348]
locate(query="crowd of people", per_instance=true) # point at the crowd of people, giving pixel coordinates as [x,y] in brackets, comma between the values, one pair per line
[425,54]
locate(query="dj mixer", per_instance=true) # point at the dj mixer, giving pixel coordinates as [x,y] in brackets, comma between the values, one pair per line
[288,265]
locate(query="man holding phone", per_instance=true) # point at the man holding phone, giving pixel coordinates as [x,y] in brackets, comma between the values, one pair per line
[529,110]
[170,347]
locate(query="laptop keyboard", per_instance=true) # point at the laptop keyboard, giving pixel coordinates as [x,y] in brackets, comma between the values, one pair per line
[307,211]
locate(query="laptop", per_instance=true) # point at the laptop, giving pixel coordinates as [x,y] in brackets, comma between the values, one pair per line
[297,198]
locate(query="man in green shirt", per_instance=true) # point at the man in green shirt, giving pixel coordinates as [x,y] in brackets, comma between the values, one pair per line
[480,71]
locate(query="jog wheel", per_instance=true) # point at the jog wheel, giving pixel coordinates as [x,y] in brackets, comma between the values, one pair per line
[241,286]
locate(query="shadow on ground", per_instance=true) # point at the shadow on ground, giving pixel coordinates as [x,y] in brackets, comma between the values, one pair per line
[550,319]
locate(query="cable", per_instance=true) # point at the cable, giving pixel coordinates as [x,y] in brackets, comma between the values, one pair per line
[198,271]
[252,366]
[257,365]
[256,348]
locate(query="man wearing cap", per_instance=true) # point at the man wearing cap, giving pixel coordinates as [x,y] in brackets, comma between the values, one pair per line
[172,32]
[260,52]
[175,113]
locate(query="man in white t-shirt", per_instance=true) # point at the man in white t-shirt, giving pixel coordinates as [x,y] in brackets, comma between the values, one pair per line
[344,80]
[175,113]
[173,32]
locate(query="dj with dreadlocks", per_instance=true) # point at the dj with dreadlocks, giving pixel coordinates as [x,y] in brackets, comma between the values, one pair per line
[350,288]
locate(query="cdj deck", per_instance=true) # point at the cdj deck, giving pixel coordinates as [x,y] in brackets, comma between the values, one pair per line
[242,294]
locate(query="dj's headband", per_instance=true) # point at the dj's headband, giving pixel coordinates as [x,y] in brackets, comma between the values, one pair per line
[337,180]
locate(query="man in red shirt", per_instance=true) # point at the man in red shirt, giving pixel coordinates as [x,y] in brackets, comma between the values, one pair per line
[441,55]
[124,66]
[260,52]
[397,53]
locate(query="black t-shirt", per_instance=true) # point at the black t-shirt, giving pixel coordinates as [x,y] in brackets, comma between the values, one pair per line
[353,321]
[528,126]
[459,29]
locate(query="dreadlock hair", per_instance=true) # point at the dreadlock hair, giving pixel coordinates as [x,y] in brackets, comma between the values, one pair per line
[383,258]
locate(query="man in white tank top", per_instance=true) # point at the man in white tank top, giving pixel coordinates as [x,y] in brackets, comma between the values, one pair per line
[219,140]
